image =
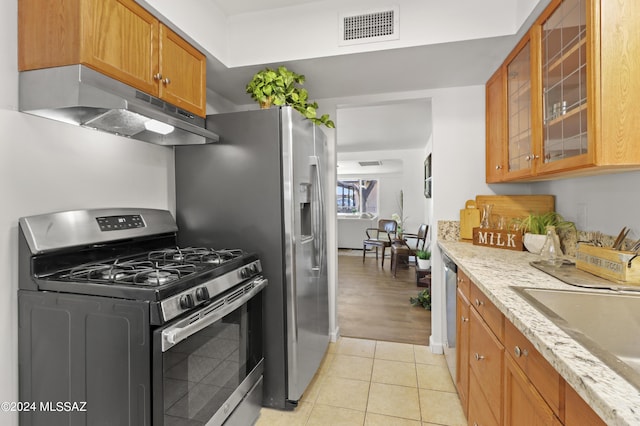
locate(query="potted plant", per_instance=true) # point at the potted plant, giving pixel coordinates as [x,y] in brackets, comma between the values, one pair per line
[534,228]
[424,299]
[283,87]
[424,259]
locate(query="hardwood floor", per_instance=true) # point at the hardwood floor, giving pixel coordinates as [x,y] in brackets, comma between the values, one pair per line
[374,305]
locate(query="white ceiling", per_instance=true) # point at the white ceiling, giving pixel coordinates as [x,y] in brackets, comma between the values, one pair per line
[386,126]
[237,7]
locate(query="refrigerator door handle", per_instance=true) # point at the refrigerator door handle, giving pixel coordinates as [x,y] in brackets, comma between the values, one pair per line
[318,213]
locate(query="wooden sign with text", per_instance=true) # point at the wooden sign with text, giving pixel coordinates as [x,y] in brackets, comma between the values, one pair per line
[498,238]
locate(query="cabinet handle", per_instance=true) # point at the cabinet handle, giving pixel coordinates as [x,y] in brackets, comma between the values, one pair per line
[478,303]
[498,167]
[478,357]
[463,319]
[517,352]
[166,80]
[157,76]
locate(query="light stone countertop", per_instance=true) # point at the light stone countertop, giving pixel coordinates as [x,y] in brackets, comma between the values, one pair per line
[494,271]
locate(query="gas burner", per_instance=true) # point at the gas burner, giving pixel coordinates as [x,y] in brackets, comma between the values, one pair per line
[195,255]
[159,277]
[134,272]
[113,274]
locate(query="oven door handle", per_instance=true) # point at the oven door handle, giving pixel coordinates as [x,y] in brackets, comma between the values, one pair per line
[206,316]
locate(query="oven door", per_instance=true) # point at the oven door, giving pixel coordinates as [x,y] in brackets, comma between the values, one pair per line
[207,362]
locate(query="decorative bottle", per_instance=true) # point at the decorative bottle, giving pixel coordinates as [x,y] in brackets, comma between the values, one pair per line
[486,216]
[551,253]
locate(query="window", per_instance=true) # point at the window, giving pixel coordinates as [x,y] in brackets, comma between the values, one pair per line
[357,196]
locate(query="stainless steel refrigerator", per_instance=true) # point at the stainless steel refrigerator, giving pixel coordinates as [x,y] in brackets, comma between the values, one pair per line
[262,188]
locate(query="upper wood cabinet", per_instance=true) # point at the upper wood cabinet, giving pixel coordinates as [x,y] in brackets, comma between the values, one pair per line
[579,58]
[495,127]
[118,38]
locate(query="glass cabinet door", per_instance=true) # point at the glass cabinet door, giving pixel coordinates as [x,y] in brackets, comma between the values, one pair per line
[564,82]
[519,148]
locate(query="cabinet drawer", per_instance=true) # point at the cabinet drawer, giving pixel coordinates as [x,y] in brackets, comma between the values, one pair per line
[539,372]
[463,283]
[486,361]
[487,310]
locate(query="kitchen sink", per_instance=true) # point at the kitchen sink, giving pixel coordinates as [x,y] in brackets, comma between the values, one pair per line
[605,323]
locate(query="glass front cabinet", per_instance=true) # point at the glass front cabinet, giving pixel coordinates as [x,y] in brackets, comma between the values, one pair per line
[570,94]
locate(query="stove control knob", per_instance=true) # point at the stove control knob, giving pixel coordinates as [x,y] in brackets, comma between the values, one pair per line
[254,268]
[244,273]
[202,293]
[186,302]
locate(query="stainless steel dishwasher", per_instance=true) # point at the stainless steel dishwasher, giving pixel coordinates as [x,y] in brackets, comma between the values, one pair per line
[450,282]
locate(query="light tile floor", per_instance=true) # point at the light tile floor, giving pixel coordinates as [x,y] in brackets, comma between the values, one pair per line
[374,383]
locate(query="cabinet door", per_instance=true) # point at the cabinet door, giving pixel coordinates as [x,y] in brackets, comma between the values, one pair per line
[120,39]
[578,412]
[485,362]
[462,350]
[520,152]
[479,412]
[495,127]
[183,69]
[566,142]
[523,405]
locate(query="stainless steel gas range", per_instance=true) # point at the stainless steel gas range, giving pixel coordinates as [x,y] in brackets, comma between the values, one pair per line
[118,325]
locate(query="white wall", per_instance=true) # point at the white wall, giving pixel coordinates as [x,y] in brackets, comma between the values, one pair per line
[314,26]
[48,166]
[598,203]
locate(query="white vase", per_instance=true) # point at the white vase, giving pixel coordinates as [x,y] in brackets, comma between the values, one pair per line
[534,242]
[424,263]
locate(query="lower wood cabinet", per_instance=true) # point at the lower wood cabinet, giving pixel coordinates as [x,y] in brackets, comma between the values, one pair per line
[462,358]
[485,362]
[480,413]
[578,412]
[501,377]
[523,404]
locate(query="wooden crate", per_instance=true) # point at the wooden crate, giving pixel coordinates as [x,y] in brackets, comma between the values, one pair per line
[498,238]
[605,262]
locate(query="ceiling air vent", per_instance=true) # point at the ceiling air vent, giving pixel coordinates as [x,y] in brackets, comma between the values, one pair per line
[370,26]
[369,163]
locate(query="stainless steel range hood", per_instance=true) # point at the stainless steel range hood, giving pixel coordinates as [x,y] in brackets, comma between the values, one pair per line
[79,95]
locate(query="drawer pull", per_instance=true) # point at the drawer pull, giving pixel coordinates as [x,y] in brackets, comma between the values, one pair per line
[478,303]
[517,351]
[478,357]
[463,319]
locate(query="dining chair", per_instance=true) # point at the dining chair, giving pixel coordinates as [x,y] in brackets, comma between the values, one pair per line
[382,236]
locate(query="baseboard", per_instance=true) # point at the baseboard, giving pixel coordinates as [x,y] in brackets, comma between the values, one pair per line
[436,348]
[334,335]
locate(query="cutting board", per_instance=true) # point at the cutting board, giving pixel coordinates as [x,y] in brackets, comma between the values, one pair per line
[512,206]
[469,219]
